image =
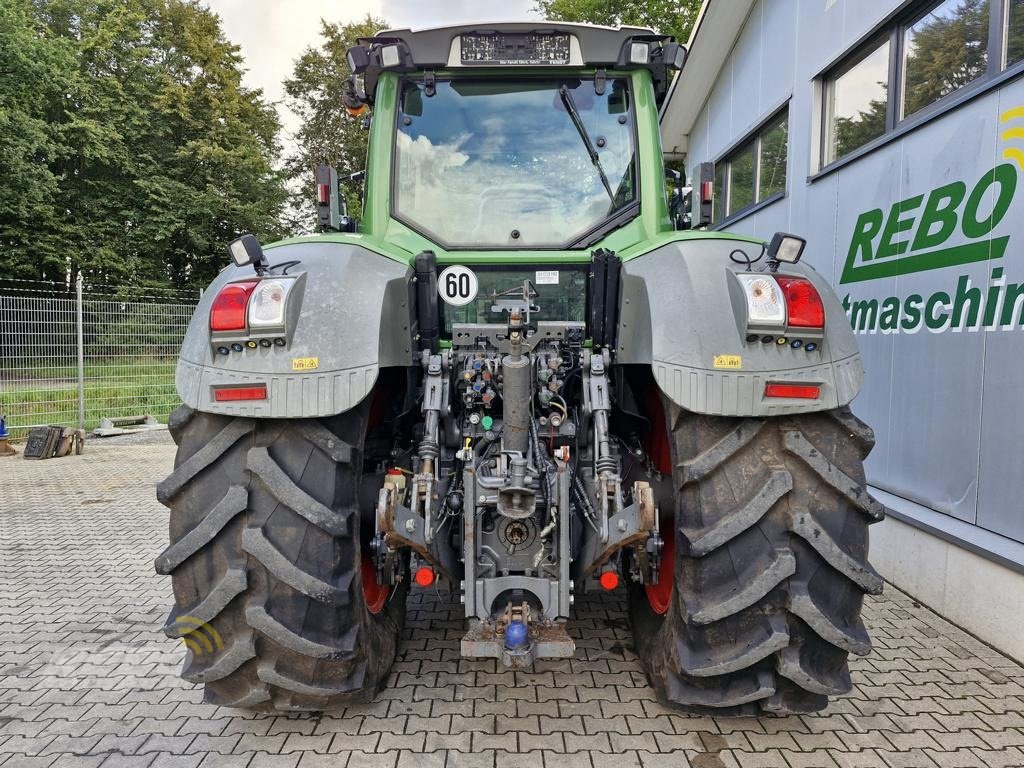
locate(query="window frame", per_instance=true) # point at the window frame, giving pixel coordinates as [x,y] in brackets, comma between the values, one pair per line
[894,26]
[756,136]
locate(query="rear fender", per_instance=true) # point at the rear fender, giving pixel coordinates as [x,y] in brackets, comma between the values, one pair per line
[681,314]
[351,318]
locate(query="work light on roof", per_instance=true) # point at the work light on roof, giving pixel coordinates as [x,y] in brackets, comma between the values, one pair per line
[673,55]
[390,56]
[358,59]
[639,53]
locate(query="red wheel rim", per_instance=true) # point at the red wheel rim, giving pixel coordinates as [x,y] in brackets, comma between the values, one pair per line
[374,594]
[659,595]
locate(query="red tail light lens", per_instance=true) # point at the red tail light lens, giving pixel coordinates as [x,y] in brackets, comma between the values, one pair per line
[707,191]
[803,301]
[228,310]
[231,394]
[800,391]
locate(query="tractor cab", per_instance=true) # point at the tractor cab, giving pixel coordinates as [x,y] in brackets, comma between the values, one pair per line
[523,137]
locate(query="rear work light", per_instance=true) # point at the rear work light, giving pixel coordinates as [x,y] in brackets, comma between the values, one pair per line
[228,310]
[233,394]
[268,302]
[798,391]
[805,307]
[765,304]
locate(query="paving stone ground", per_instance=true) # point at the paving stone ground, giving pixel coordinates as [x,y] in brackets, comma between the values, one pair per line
[88,679]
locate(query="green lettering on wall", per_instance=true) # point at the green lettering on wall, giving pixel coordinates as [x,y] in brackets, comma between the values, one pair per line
[912,312]
[940,209]
[933,320]
[920,262]
[1013,304]
[869,224]
[1005,176]
[889,320]
[895,225]
[865,315]
[966,295]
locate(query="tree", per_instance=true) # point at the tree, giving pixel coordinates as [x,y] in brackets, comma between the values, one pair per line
[673,17]
[34,70]
[158,155]
[857,130]
[946,52]
[328,134]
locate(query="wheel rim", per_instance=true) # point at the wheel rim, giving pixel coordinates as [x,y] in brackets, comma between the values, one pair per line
[374,594]
[659,595]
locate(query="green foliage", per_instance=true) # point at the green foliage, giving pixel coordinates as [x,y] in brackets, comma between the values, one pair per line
[673,17]
[857,130]
[328,133]
[34,71]
[947,52]
[139,152]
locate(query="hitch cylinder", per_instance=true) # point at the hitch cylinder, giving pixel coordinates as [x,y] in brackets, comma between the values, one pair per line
[516,371]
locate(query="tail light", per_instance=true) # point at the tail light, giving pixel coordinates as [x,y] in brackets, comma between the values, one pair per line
[707,191]
[765,303]
[228,310]
[799,391]
[267,305]
[805,307]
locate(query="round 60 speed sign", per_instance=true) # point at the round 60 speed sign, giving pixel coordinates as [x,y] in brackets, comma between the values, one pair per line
[457,285]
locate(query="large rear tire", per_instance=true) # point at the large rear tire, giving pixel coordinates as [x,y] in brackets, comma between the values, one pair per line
[267,563]
[765,562]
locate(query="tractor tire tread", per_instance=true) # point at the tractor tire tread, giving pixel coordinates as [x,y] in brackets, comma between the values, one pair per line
[772,517]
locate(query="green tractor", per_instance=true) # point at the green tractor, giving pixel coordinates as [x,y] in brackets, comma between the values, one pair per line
[528,371]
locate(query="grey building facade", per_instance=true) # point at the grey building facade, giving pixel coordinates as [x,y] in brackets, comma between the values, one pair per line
[890,134]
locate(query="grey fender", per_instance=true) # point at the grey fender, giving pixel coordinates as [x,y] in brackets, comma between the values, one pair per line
[352,316]
[681,309]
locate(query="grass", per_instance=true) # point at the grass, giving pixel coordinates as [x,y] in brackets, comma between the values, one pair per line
[120,387]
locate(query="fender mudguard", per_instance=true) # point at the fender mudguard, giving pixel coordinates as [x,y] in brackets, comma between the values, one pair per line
[353,317]
[683,314]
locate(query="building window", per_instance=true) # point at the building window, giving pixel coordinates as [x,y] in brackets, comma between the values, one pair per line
[913,64]
[1015,32]
[753,172]
[944,50]
[857,99]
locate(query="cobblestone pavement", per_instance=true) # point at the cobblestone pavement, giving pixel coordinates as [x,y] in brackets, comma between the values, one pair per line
[87,679]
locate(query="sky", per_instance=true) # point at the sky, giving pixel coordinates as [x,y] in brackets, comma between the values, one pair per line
[273,33]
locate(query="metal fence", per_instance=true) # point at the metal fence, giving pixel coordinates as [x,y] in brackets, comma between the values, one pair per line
[72,354]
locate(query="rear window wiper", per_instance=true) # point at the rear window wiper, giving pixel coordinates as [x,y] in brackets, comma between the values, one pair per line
[574,115]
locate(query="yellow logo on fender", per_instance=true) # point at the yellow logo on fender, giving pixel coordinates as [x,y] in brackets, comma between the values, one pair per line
[730,362]
[305,363]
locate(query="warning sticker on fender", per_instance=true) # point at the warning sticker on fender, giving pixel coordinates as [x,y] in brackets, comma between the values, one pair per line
[305,363]
[729,362]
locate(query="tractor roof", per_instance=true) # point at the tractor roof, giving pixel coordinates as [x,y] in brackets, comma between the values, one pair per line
[516,43]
